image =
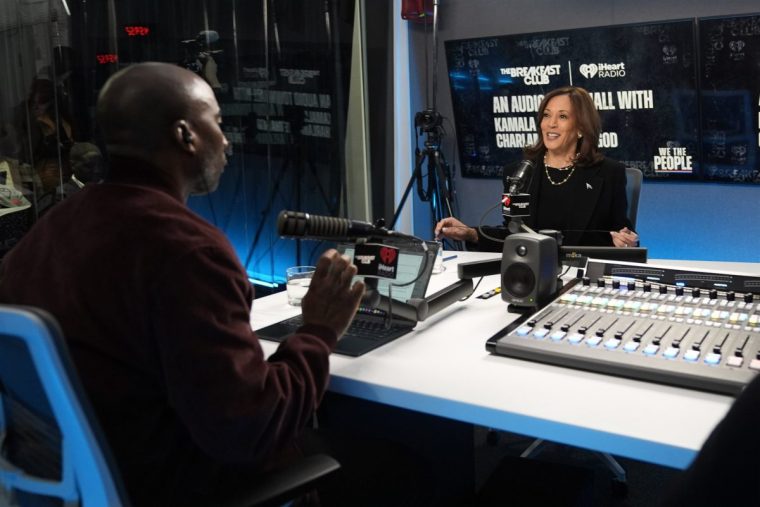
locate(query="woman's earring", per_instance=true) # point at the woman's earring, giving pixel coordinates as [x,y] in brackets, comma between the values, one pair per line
[580,135]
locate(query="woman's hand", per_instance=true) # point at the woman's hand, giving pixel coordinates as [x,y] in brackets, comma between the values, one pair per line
[451,228]
[624,238]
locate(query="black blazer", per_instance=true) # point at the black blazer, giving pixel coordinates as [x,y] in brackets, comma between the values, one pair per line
[601,205]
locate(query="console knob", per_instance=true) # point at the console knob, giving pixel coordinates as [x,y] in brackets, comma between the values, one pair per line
[730,296]
[748,297]
[615,284]
[600,282]
[679,291]
[713,294]
[663,289]
[695,292]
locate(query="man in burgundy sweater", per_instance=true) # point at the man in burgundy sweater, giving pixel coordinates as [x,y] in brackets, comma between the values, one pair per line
[155,305]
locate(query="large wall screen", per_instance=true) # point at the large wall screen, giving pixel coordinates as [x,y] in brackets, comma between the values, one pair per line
[670,105]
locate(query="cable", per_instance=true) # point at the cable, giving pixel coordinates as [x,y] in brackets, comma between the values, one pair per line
[388,321]
[422,271]
[473,290]
[480,224]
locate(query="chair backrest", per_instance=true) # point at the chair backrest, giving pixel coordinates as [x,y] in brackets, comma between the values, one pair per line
[633,178]
[46,422]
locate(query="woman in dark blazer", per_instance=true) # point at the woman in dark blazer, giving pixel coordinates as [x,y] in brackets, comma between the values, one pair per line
[574,189]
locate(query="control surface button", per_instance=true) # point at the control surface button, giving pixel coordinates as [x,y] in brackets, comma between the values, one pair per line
[651,349]
[557,335]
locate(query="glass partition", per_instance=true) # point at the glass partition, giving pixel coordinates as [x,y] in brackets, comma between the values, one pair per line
[280,71]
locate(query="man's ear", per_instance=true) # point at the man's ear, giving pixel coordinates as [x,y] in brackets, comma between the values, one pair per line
[183,135]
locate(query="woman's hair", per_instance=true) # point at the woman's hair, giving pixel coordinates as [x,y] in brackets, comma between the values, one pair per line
[586,119]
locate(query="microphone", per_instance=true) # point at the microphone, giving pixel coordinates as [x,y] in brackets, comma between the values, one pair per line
[515,203]
[297,224]
[521,178]
[204,37]
[207,36]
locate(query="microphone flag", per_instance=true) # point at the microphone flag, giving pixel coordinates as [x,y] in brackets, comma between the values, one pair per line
[376,260]
[515,205]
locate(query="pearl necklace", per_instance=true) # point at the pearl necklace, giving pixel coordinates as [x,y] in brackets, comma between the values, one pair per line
[570,168]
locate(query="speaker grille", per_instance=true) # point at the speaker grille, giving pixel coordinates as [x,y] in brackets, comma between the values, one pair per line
[519,280]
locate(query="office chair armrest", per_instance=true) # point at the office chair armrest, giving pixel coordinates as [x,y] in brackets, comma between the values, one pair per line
[288,483]
[12,477]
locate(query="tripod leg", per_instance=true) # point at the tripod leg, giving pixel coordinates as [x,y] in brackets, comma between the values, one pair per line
[419,159]
[442,176]
[442,197]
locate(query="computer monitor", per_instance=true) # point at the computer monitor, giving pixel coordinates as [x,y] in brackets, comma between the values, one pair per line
[415,264]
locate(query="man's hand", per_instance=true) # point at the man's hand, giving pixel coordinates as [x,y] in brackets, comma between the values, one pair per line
[624,238]
[452,228]
[331,300]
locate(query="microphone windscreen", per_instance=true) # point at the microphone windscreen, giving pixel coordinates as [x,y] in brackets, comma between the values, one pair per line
[522,176]
[291,223]
[525,170]
[208,36]
[299,224]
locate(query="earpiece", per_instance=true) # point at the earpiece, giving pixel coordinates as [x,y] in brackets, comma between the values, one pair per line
[187,137]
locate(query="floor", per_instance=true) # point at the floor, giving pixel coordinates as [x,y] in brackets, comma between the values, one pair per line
[560,476]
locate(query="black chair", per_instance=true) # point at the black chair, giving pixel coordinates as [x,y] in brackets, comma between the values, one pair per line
[633,179]
[50,442]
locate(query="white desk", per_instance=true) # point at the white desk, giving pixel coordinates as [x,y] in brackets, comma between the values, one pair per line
[442,368]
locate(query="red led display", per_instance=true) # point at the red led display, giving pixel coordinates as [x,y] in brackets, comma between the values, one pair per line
[106,58]
[137,31]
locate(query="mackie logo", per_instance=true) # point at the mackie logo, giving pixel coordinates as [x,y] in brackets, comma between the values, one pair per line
[387,255]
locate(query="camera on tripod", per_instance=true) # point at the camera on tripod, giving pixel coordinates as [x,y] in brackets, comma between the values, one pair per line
[197,51]
[428,120]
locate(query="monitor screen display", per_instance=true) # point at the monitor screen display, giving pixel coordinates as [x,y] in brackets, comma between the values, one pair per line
[730,98]
[679,100]
[642,79]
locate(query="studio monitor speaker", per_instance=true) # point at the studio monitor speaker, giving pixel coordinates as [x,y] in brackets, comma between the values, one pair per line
[529,269]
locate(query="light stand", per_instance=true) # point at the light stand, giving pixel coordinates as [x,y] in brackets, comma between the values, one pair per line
[438,188]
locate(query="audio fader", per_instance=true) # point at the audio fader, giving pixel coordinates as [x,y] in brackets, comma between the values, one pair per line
[688,328]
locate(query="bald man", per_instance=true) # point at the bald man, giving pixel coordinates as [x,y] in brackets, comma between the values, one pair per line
[155,305]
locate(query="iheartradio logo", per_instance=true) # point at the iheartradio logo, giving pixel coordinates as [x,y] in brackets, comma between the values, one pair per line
[387,255]
[589,70]
[602,70]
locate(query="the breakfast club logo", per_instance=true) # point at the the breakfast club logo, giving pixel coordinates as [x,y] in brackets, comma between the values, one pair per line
[534,75]
[602,70]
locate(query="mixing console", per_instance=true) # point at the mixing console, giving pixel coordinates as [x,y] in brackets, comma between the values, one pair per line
[689,328]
